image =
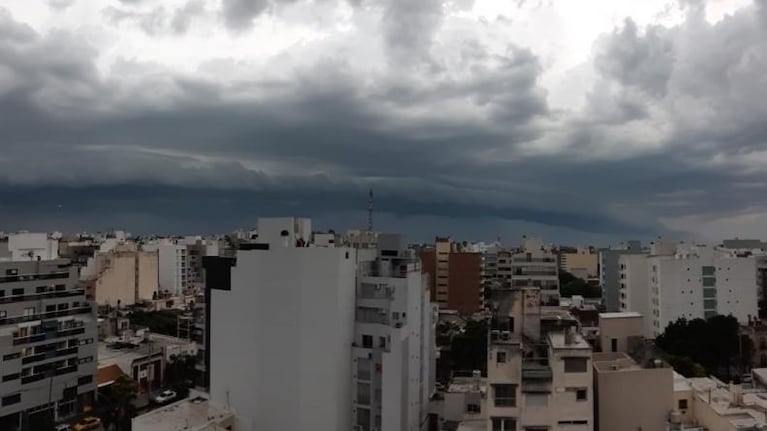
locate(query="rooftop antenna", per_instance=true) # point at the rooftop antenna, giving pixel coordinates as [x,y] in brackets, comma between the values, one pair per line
[370,209]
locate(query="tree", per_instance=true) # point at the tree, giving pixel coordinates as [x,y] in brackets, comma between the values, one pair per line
[570,285]
[123,391]
[468,349]
[180,372]
[714,343]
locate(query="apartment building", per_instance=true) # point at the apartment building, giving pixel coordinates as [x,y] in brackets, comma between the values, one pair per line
[534,264]
[122,275]
[582,263]
[700,282]
[539,368]
[394,345]
[455,277]
[609,273]
[47,334]
[338,338]
[30,246]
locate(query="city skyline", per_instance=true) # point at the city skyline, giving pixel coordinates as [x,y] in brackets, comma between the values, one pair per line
[587,124]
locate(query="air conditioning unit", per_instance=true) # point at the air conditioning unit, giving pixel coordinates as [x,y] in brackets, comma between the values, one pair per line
[506,335]
[494,334]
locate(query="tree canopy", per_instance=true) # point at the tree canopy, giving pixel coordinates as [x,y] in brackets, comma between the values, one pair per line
[714,343]
[570,285]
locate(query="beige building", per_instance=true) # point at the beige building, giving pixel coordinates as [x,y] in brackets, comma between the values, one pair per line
[580,262]
[632,396]
[539,367]
[123,274]
[620,332]
[723,407]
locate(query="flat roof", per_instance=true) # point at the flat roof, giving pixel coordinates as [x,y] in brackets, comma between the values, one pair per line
[614,362]
[194,413]
[619,315]
[557,341]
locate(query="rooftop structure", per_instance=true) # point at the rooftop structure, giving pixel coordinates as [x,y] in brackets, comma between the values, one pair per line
[196,413]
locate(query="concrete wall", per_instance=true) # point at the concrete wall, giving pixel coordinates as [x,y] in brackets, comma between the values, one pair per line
[629,400]
[582,260]
[620,329]
[123,276]
[148,274]
[30,246]
[281,339]
[635,288]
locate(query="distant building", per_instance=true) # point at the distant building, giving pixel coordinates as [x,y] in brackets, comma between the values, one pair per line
[579,263]
[455,277]
[47,334]
[534,264]
[691,282]
[122,275]
[609,273]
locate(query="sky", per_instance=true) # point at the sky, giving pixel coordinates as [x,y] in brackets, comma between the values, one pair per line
[583,122]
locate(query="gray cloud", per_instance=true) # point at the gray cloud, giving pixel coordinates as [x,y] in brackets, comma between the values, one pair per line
[454,145]
[239,14]
[409,28]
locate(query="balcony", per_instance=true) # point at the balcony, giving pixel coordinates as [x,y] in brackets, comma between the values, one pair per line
[534,259]
[31,277]
[42,295]
[77,329]
[47,315]
[48,355]
[536,375]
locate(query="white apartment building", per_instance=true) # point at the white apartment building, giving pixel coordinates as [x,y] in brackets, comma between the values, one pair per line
[180,261]
[535,265]
[394,344]
[539,368]
[692,282]
[295,347]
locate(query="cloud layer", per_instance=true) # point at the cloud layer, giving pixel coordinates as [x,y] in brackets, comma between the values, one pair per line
[442,109]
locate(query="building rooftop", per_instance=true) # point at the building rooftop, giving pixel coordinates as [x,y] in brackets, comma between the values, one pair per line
[124,357]
[619,361]
[619,315]
[196,413]
[748,413]
[107,375]
[467,384]
[557,341]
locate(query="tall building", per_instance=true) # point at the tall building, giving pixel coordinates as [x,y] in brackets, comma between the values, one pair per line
[325,337]
[393,342]
[180,261]
[123,275]
[47,334]
[609,274]
[534,264]
[455,277]
[539,370]
[692,282]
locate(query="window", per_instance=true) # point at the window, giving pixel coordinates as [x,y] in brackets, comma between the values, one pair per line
[29,311]
[709,281]
[504,424]
[707,270]
[382,342]
[3,313]
[363,419]
[473,408]
[576,365]
[50,308]
[709,304]
[63,307]
[84,380]
[505,395]
[614,345]
[682,404]
[367,341]
[41,289]
[500,357]
[709,293]
[11,399]
[581,394]
[363,393]
[363,369]
[17,292]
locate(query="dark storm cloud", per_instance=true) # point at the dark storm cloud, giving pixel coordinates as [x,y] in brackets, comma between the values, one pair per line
[160,147]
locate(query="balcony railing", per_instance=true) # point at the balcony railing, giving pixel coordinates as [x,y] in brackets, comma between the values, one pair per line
[79,329]
[42,295]
[48,355]
[46,315]
[31,277]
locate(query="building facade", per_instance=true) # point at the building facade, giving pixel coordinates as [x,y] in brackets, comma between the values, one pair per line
[47,334]
[455,277]
[534,264]
[539,368]
[609,273]
[122,275]
[393,348]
